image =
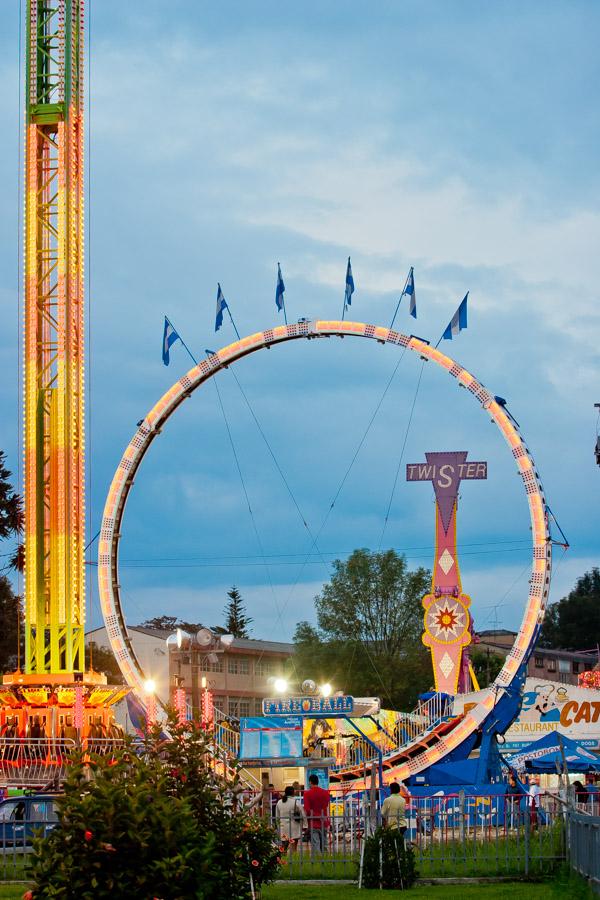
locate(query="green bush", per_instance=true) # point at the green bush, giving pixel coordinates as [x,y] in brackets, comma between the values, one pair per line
[387,861]
[161,823]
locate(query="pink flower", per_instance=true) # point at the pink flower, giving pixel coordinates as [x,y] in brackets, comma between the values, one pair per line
[28,895]
[255,862]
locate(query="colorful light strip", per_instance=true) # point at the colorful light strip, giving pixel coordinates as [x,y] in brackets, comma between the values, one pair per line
[108,581]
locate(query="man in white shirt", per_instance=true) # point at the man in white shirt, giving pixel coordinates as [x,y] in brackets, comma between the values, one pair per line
[393,811]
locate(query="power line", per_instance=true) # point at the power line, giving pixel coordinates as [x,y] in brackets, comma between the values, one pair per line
[236,556]
[246,562]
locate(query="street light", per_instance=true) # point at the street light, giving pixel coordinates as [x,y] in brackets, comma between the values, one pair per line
[326,690]
[207,642]
[280,685]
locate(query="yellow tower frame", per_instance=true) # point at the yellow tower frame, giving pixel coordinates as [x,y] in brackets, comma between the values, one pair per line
[54,484]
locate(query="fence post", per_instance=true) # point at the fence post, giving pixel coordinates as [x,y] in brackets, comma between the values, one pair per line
[526,836]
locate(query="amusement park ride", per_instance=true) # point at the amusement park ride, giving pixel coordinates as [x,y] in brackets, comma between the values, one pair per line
[54,695]
[55,686]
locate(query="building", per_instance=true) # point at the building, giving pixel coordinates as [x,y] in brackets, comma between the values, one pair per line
[563,666]
[150,647]
[239,676]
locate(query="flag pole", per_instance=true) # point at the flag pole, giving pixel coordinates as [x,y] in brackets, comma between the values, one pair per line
[282,294]
[192,357]
[401,296]
[233,323]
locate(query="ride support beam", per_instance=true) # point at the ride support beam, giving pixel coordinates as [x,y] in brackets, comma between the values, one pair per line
[54,474]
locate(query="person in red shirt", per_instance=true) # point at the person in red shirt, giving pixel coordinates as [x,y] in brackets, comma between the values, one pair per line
[316,806]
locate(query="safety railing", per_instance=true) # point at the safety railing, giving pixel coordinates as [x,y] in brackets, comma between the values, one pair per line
[459,836]
[584,846]
[41,761]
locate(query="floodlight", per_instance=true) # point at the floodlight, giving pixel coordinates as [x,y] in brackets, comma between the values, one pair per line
[150,686]
[204,637]
[280,685]
[326,690]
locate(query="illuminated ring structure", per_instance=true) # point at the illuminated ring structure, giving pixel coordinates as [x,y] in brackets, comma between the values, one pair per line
[152,424]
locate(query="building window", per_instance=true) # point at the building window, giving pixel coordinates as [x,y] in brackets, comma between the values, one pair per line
[258,710]
[564,665]
[575,668]
[219,703]
[244,707]
[233,707]
[238,665]
[539,662]
[552,665]
[564,679]
[265,667]
[207,666]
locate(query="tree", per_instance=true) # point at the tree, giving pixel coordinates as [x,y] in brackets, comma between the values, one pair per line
[11,613]
[11,633]
[574,622]
[236,620]
[162,623]
[102,659]
[370,621]
[162,823]
[486,664]
[11,513]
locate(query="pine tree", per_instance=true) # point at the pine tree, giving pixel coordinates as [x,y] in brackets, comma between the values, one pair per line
[236,620]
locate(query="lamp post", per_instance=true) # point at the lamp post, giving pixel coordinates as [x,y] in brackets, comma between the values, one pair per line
[206,642]
[150,691]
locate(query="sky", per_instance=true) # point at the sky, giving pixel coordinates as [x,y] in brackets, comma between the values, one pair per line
[459,138]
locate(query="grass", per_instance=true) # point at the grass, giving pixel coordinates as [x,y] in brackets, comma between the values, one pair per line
[505,891]
[12,891]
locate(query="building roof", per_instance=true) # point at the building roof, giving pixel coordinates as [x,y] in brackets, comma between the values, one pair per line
[245,644]
[578,656]
[151,632]
[262,646]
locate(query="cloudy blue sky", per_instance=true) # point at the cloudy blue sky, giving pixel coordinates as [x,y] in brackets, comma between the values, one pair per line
[457,137]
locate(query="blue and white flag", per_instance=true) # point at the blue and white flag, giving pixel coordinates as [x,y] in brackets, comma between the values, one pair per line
[409,290]
[349,285]
[221,305]
[279,290]
[457,322]
[169,338]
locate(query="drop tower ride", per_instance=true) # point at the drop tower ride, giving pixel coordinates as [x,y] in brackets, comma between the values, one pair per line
[54,688]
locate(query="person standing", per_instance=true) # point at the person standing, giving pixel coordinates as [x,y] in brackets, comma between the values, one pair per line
[393,810]
[316,804]
[535,793]
[290,818]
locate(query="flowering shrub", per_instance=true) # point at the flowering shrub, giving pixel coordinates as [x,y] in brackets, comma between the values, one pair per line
[157,823]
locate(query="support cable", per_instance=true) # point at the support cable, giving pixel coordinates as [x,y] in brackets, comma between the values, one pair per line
[250,510]
[393,491]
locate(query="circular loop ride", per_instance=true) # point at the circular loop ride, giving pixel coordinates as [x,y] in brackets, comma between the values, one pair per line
[414,759]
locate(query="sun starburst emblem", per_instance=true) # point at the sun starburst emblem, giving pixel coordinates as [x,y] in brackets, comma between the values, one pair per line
[446,619]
